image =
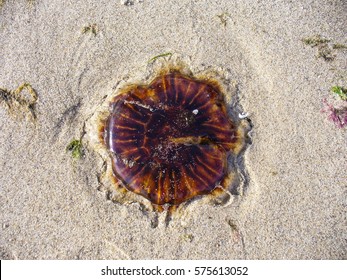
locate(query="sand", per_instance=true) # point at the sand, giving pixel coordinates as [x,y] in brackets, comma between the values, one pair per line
[294,204]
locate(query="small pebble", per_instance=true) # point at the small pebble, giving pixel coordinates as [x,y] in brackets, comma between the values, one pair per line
[243,115]
[127,2]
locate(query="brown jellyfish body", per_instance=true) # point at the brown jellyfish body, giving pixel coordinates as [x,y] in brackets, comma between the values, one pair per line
[170,141]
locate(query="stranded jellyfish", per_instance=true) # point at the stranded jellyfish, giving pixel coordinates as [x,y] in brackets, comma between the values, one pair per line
[169,141]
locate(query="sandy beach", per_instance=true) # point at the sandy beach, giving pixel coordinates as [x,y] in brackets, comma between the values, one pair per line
[279,60]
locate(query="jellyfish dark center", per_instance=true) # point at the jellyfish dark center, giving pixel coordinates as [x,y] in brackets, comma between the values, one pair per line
[168,135]
[169,141]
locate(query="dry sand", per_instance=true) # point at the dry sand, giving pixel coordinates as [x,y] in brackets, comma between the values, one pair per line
[294,206]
